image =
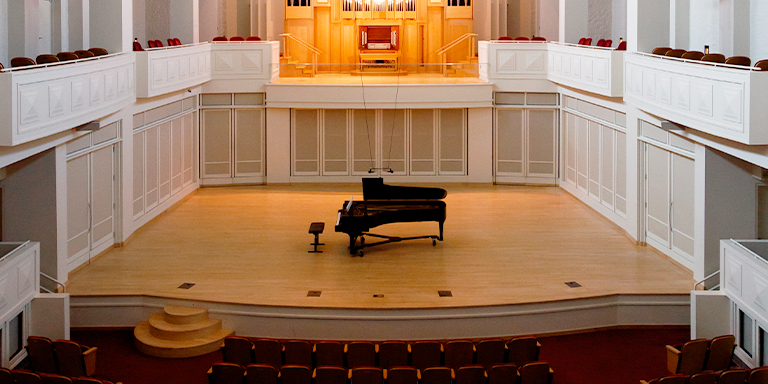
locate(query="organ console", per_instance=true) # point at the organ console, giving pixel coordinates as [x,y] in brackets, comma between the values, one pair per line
[379,45]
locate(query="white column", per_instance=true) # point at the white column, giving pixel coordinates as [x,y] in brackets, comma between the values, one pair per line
[86,23]
[31,29]
[705,25]
[635,198]
[278,145]
[4,34]
[758,24]
[741,28]
[62,268]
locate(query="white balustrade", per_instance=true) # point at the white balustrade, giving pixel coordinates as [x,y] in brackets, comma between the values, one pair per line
[715,99]
[744,274]
[512,60]
[164,70]
[593,69]
[44,100]
[245,60]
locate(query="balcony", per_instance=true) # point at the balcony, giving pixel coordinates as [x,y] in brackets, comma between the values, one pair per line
[744,274]
[43,100]
[512,60]
[597,70]
[170,69]
[712,98]
[248,65]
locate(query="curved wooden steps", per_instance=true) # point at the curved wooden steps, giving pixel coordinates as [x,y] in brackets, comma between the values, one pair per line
[179,332]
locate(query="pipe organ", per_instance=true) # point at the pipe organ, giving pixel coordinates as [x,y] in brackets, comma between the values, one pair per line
[349,33]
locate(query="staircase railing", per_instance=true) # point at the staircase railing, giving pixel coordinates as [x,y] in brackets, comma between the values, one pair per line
[311,48]
[471,51]
[702,281]
[63,288]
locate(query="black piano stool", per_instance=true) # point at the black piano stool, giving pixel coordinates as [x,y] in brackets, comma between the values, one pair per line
[316,229]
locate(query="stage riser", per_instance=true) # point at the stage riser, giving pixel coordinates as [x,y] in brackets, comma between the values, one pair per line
[403,324]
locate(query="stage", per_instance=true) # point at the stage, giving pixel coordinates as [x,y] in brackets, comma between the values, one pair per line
[507,254]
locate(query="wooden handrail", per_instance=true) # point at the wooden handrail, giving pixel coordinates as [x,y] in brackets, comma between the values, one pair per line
[303,43]
[452,44]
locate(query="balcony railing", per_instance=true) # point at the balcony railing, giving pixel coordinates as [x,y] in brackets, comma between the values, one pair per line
[593,69]
[712,98]
[245,61]
[512,60]
[164,70]
[43,100]
[744,274]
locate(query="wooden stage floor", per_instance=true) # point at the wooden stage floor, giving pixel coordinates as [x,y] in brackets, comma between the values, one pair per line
[377,79]
[503,245]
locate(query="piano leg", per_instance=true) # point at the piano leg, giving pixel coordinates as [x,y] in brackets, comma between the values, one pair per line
[441,231]
[352,241]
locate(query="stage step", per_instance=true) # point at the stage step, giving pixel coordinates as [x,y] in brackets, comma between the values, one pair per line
[179,332]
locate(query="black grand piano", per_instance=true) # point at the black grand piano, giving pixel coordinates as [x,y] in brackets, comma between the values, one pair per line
[384,204]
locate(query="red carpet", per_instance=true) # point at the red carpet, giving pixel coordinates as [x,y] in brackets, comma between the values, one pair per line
[613,357]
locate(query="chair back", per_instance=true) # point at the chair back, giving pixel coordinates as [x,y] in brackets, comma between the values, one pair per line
[675,53]
[490,352]
[238,350]
[220,38]
[758,376]
[523,350]
[260,374]
[393,354]
[502,374]
[366,375]
[268,351]
[693,55]
[505,38]
[158,43]
[677,379]
[402,375]
[26,377]
[67,56]
[733,376]
[51,378]
[329,353]
[706,377]
[720,353]
[171,43]
[329,375]
[6,377]
[298,352]
[69,355]
[622,46]
[535,373]
[600,43]
[136,47]
[538,38]
[739,60]
[661,51]
[458,353]
[226,373]
[85,54]
[521,38]
[21,62]
[470,374]
[151,44]
[582,40]
[762,64]
[176,41]
[236,38]
[1,66]
[588,41]
[98,51]
[437,375]
[693,355]
[714,58]
[360,354]
[608,43]
[253,38]
[41,355]
[426,354]
[295,374]
[46,59]
[88,380]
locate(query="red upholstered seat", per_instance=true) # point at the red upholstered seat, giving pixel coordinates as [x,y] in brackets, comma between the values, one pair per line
[268,351]
[238,350]
[366,375]
[219,38]
[521,38]
[505,38]
[393,354]
[21,62]
[298,352]
[236,38]
[261,374]
[46,59]
[538,38]
[360,354]
[98,51]
[622,46]
[714,58]
[329,375]
[226,373]
[402,375]
[329,353]
[739,60]
[253,38]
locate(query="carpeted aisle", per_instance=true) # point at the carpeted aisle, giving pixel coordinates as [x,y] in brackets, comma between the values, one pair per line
[611,357]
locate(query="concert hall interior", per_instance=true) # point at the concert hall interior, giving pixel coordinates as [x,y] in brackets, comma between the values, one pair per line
[601,166]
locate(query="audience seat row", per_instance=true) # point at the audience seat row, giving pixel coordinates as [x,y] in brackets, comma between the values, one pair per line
[732,376]
[231,373]
[59,57]
[237,38]
[700,355]
[522,38]
[28,377]
[607,43]
[711,57]
[420,354]
[63,357]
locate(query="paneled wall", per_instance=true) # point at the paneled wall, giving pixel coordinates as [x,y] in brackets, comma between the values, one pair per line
[164,155]
[594,156]
[351,142]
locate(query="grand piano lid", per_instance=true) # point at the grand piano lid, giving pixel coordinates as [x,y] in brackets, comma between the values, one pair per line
[375,189]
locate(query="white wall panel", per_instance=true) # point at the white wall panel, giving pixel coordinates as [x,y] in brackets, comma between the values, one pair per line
[393,140]
[422,143]
[657,191]
[249,142]
[306,142]
[164,161]
[364,154]
[102,197]
[216,139]
[510,142]
[335,142]
[78,210]
[452,149]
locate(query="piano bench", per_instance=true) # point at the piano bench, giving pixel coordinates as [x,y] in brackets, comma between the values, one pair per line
[316,229]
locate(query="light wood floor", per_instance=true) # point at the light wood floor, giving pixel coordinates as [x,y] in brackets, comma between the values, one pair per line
[503,245]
